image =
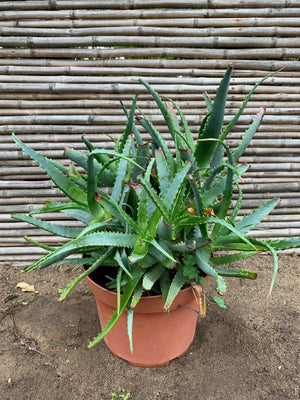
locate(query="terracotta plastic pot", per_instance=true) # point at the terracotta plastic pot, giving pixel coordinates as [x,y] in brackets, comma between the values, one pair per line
[158,337]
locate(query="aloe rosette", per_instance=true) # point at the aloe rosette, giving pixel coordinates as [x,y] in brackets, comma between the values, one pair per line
[159,215]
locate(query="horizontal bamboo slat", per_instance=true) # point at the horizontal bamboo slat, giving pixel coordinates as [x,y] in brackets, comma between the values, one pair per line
[74,24]
[254,67]
[132,4]
[158,52]
[39,36]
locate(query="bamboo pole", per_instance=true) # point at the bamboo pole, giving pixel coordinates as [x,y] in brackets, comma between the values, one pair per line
[165,52]
[98,139]
[90,129]
[135,4]
[211,64]
[265,176]
[120,88]
[207,81]
[262,97]
[24,250]
[113,106]
[166,13]
[29,228]
[266,196]
[274,143]
[272,233]
[43,33]
[34,42]
[274,151]
[277,211]
[279,165]
[19,184]
[34,192]
[183,73]
[182,21]
[286,218]
[272,188]
[29,200]
[52,241]
[119,119]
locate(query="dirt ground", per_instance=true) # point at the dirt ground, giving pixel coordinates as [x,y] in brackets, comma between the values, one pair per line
[248,351]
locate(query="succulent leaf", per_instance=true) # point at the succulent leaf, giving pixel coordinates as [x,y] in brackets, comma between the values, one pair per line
[249,135]
[163,108]
[237,115]
[158,140]
[187,131]
[205,149]
[163,171]
[178,281]
[123,304]
[92,196]
[284,244]
[129,126]
[64,231]
[66,185]
[129,327]
[152,276]
[245,224]
[230,258]
[137,294]
[95,240]
[202,260]
[235,272]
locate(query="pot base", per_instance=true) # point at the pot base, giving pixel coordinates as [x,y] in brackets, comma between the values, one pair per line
[145,365]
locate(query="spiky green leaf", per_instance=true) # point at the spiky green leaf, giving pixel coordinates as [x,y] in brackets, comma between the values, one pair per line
[137,294]
[245,224]
[205,149]
[233,257]
[135,131]
[80,245]
[249,135]
[187,131]
[237,115]
[129,125]
[152,276]
[275,261]
[129,327]
[123,304]
[163,108]
[121,172]
[158,140]
[65,184]
[59,230]
[93,267]
[39,244]
[235,272]
[163,171]
[283,244]
[203,263]
[178,282]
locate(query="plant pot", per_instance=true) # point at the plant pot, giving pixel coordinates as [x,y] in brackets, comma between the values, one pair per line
[158,337]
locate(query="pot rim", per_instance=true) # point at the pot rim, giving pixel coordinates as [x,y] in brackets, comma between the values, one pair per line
[185,297]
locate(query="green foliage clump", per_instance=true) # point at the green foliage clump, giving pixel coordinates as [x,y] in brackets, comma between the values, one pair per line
[156,213]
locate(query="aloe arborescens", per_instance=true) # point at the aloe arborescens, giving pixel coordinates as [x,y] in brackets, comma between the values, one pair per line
[166,216]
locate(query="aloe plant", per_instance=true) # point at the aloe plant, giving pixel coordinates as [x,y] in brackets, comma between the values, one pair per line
[165,216]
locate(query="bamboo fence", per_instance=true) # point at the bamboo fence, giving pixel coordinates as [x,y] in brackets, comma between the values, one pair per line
[66,64]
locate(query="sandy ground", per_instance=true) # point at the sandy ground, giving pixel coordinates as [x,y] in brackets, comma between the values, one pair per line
[248,351]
